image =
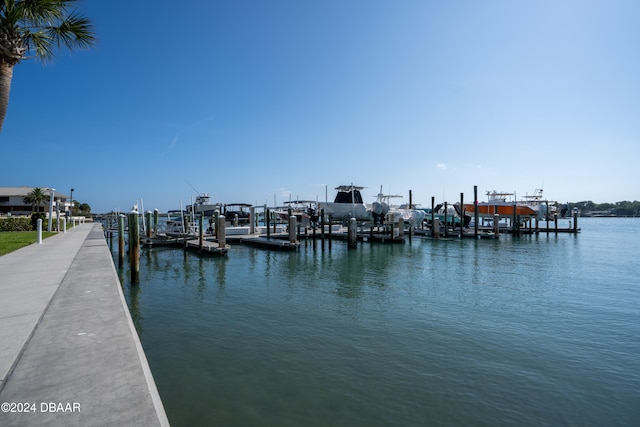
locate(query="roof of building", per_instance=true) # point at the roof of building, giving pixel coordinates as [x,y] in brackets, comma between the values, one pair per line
[24,191]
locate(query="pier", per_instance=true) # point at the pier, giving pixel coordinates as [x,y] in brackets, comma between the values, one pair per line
[68,346]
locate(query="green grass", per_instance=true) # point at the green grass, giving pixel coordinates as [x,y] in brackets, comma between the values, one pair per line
[13,240]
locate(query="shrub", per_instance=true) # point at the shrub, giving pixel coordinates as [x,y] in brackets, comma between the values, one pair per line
[34,219]
[15,224]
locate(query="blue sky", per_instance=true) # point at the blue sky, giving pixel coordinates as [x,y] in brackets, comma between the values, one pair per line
[255,100]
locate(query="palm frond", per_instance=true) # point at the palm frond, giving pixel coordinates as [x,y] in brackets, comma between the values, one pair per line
[40,43]
[75,31]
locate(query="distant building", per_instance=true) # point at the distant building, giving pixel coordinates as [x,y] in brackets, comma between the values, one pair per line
[12,201]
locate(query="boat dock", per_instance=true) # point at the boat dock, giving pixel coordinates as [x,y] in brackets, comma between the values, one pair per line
[208,247]
[271,243]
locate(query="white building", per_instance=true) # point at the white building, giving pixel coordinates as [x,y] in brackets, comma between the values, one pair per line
[12,201]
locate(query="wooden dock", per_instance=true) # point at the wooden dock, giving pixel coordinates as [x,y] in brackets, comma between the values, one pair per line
[208,247]
[271,243]
[163,241]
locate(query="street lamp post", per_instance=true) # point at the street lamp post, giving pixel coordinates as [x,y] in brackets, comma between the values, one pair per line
[51,197]
[71,206]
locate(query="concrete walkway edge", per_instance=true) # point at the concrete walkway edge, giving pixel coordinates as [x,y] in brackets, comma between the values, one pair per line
[69,351]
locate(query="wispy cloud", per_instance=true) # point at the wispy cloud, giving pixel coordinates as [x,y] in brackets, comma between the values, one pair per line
[193,125]
[441,166]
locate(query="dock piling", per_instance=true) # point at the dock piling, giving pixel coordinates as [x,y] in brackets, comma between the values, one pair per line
[155,221]
[120,239]
[461,215]
[293,228]
[222,233]
[148,215]
[352,234]
[475,211]
[134,247]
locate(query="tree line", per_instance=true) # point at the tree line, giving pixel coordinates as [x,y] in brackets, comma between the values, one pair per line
[624,208]
[38,198]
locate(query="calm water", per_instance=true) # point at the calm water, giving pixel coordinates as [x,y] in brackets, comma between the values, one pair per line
[530,331]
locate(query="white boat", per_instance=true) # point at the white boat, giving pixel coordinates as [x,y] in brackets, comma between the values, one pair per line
[381,208]
[305,211]
[202,205]
[347,204]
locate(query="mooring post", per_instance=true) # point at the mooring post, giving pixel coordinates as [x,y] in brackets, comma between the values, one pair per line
[446,225]
[39,222]
[330,226]
[461,214]
[201,231]
[252,220]
[352,234]
[155,221]
[293,229]
[496,224]
[436,228]
[134,246]
[120,239]
[514,221]
[555,222]
[410,207]
[267,218]
[148,214]
[275,224]
[401,228]
[575,220]
[222,232]
[475,211]
[322,224]
[433,215]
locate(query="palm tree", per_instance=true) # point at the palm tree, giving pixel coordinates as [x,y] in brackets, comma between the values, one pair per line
[36,28]
[35,198]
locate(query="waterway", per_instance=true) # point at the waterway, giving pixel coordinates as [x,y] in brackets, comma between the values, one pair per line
[529,331]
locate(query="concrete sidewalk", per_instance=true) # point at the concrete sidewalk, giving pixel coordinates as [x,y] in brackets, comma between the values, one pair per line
[69,353]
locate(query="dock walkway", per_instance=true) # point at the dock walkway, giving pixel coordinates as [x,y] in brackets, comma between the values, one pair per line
[69,353]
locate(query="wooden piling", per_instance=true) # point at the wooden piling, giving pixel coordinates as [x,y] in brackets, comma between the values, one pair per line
[222,232]
[575,220]
[461,214]
[267,219]
[555,222]
[293,229]
[200,231]
[433,215]
[120,239]
[252,220]
[475,211]
[148,215]
[134,247]
[155,221]
[352,234]
[446,225]
[410,207]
